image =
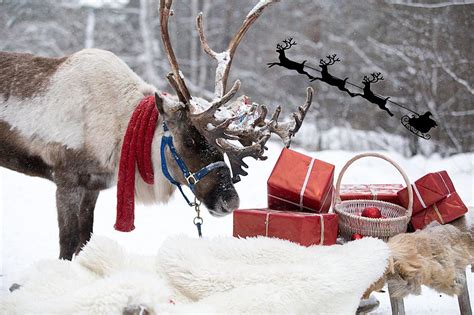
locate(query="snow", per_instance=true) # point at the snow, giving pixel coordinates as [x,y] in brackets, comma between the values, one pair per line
[223,60]
[29,225]
[259,5]
[104,3]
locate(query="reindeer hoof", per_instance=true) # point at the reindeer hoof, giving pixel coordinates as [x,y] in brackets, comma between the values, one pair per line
[136,310]
[14,287]
[368,305]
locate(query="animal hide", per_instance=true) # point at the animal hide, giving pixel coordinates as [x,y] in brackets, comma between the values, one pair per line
[223,275]
[436,256]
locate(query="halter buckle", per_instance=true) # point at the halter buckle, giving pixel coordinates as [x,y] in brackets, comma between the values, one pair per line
[191,179]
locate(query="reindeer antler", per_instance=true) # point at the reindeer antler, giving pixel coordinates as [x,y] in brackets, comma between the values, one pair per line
[375,77]
[256,134]
[289,42]
[248,125]
[224,59]
[176,79]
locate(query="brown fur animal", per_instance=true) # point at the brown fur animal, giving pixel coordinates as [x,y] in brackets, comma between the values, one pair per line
[63,119]
[436,256]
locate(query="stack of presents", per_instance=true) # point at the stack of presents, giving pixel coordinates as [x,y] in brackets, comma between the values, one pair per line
[300,194]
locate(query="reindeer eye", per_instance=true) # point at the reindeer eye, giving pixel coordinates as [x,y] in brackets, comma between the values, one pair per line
[189,142]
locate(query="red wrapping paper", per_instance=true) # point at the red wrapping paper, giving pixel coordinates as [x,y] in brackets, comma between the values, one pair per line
[301,183]
[383,192]
[300,227]
[427,190]
[444,211]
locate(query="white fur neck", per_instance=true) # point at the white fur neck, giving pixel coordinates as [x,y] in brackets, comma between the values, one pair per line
[162,189]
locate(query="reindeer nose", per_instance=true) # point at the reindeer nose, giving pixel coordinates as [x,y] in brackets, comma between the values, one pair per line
[231,204]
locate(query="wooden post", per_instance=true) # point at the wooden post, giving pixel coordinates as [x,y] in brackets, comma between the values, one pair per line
[463,298]
[398,307]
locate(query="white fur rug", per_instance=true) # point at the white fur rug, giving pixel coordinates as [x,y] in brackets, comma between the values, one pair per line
[221,275]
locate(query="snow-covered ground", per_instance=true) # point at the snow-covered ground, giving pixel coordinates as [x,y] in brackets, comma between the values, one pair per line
[29,227]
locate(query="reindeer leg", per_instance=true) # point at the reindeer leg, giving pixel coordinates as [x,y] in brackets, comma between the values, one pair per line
[271,64]
[86,217]
[68,201]
[343,88]
[386,109]
[302,71]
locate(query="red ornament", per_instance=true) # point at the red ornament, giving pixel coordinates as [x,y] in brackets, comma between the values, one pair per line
[356,236]
[372,212]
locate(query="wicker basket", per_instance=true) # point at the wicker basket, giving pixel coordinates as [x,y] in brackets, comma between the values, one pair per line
[395,219]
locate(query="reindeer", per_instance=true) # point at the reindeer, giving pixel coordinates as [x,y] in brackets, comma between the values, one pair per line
[328,78]
[287,63]
[63,119]
[370,96]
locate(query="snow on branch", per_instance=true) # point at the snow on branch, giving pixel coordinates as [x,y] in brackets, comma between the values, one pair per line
[455,77]
[357,50]
[432,5]
[391,51]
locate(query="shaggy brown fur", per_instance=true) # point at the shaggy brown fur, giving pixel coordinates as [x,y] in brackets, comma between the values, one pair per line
[24,75]
[435,257]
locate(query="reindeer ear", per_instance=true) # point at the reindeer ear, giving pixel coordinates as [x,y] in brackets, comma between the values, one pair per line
[159,104]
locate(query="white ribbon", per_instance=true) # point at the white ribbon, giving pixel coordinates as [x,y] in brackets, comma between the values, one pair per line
[326,197]
[447,188]
[305,183]
[373,192]
[267,223]
[419,196]
[435,208]
[322,230]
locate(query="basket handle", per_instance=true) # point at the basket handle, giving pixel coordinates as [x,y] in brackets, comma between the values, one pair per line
[337,197]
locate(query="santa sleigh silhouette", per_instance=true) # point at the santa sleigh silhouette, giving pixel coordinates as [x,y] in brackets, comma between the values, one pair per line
[420,125]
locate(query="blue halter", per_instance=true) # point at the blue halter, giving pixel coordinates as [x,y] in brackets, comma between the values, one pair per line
[191,178]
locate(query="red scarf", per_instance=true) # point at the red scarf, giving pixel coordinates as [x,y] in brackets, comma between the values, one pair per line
[136,150]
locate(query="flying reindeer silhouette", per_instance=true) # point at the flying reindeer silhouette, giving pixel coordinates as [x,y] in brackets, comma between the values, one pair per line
[370,96]
[288,63]
[418,124]
[328,78]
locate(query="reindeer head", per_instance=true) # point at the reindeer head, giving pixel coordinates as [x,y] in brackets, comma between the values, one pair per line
[206,130]
[375,77]
[332,59]
[286,44]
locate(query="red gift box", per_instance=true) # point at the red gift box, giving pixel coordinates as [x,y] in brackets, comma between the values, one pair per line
[383,192]
[299,182]
[300,227]
[444,211]
[427,190]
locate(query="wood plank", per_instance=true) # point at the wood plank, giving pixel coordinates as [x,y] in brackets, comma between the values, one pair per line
[466,224]
[398,307]
[463,299]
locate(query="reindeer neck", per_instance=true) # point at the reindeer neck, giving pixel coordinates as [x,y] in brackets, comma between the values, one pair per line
[366,87]
[282,55]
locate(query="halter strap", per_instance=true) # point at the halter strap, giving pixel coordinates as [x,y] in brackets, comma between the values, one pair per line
[191,178]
